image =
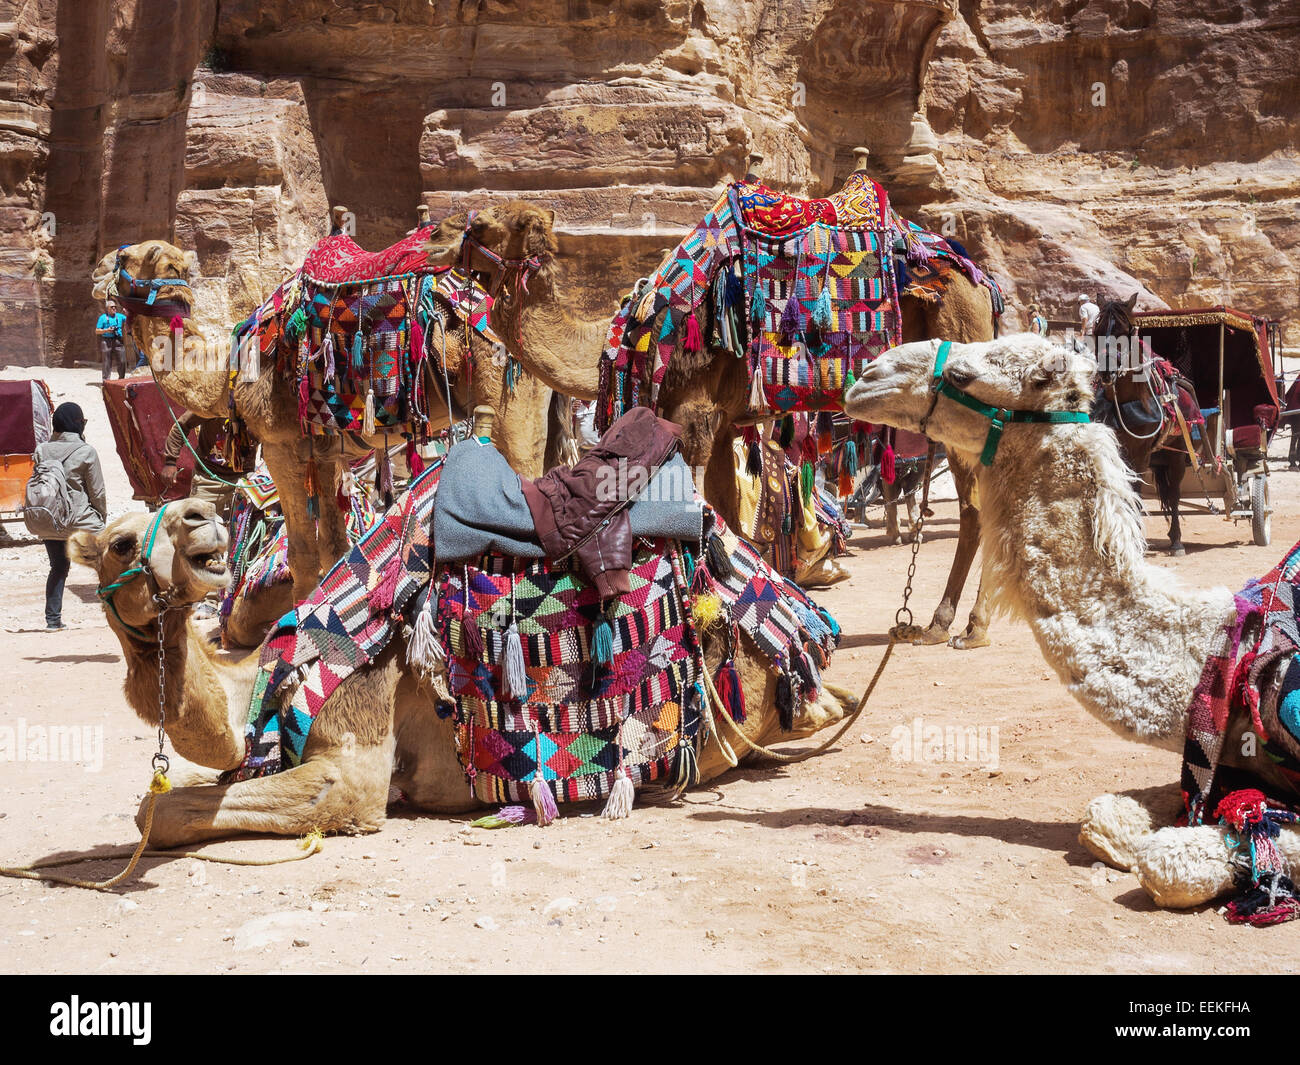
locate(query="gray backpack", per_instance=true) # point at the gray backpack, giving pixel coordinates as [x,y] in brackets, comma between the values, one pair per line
[47,503]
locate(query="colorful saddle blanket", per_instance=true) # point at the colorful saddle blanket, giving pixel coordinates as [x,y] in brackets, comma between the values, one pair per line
[639,708]
[355,330]
[1241,755]
[806,291]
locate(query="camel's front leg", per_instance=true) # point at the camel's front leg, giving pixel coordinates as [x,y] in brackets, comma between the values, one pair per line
[287,470]
[331,528]
[968,541]
[343,792]
[889,493]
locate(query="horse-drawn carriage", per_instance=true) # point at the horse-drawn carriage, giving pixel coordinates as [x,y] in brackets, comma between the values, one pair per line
[1232,360]
[25,421]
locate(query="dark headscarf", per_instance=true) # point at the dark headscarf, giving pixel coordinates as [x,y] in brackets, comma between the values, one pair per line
[69,419]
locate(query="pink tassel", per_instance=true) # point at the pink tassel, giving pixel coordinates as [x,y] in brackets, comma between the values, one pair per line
[177,324]
[887,470]
[302,395]
[417,340]
[414,462]
[694,341]
[382,596]
[543,800]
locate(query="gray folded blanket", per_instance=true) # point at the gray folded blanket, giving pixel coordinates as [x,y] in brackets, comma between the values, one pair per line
[480,506]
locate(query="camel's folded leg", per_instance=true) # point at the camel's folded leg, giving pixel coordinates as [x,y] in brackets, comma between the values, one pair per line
[1114,829]
[343,792]
[1181,867]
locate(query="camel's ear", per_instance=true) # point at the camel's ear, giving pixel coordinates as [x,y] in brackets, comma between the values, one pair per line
[190,260]
[149,264]
[550,217]
[1132,302]
[1048,369]
[83,548]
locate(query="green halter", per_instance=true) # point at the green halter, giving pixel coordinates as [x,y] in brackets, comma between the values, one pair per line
[998,416]
[107,591]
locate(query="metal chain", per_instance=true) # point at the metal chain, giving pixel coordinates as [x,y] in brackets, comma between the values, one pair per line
[905,610]
[160,762]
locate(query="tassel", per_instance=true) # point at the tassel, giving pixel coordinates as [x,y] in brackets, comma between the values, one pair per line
[506,817]
[759,309]
[543,800]
[303,395]
[808,449]
[786,525]
[706,610]
[804,668]
[694,341]
[718,559]
[296,325]
[785,702]
[887,467]
[327,355]
[472,640]
[358,352]
[849,379]
[602,642]
[754,461]
[414,462]
[757,397]
[423,651]
[845,486]
[250,363]
[851,457]
[368,419]
[688,767]
[645,306]
[417,339]
[807,480]
[831,623]
[621,796]
[821,312]
[792,318]
[785,434]
[514,677]
[731,691]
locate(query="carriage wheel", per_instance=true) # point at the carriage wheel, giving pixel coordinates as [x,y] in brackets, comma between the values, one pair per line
[1261,514]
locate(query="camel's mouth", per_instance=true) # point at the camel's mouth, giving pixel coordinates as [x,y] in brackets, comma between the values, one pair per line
[209,566]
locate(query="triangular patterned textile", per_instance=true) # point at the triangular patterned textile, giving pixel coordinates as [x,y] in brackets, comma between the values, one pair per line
[1250,684]
[341,627]
[751,274]
[377,310]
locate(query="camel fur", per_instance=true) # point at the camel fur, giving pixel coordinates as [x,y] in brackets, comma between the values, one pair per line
[1064,550]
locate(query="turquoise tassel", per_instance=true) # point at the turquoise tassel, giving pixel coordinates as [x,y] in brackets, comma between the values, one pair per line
[358,352]
[602,643]
[760,306]
[821,313]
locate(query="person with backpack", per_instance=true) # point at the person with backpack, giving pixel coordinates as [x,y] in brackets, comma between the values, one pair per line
[109,330]
[65,494]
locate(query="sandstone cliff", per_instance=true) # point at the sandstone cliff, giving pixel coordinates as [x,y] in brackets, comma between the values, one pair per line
[1070,144]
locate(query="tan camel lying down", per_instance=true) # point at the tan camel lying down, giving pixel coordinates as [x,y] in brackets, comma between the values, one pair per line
[1064,550]
[378,728]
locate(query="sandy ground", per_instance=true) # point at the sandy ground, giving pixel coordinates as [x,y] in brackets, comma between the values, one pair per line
[856,860]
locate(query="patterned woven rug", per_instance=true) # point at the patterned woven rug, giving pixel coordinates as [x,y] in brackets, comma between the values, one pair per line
[806,291]
[580,720]
[355,329]
[641,701]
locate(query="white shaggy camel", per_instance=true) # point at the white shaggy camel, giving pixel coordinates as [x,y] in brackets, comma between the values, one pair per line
[1064,550]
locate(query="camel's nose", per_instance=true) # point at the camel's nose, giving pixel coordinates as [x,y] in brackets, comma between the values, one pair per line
[196,512]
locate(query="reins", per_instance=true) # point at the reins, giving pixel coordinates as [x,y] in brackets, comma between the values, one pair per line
[107,591]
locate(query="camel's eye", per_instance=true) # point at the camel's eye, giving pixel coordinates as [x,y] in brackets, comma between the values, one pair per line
[959,375]
[123,546]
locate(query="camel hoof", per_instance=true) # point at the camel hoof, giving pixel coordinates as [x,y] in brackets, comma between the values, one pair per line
[1177,550]
[914,634]
[969,640]
[894,538]
[1114,829]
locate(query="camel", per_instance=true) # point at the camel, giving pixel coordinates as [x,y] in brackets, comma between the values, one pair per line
[557,349]
[379,728]
[711,402]
[1064,550]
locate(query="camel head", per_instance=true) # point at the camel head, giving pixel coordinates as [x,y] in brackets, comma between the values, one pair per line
[500,245]
[1019,372]
[149,260]
[186,562]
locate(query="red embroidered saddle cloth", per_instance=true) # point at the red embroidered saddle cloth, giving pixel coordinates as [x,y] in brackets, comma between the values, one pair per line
[340,260]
